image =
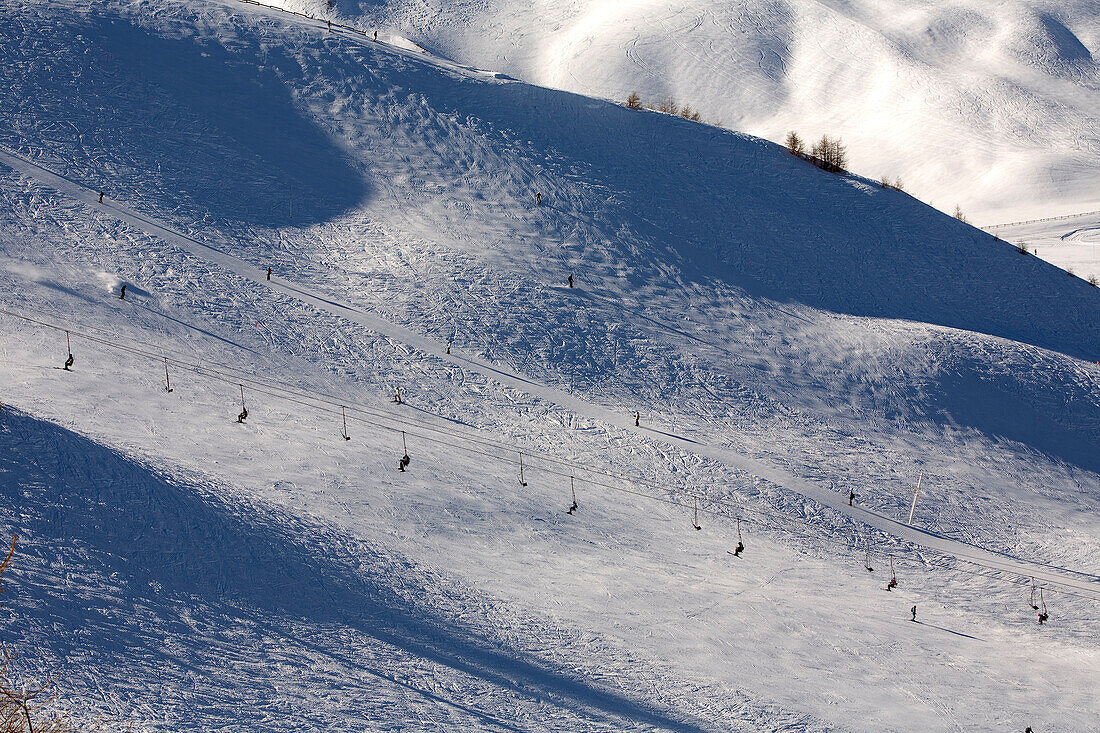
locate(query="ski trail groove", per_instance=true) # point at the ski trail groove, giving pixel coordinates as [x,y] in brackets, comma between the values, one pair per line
[959,549]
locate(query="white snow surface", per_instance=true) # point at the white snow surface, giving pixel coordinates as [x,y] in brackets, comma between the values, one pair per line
[1071,242]
[786,334]
[991,106]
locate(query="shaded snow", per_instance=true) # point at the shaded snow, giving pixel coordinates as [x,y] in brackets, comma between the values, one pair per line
[786,334]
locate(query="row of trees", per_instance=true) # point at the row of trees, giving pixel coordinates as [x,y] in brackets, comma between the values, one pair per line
[827,153]
[669,106]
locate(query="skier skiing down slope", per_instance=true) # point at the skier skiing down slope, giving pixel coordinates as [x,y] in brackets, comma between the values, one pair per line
[913,611]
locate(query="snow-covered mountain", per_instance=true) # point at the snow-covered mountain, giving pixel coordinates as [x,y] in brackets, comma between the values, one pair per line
[784,335]
[992,106]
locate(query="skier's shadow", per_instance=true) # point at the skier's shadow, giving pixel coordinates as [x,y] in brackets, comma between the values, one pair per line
[956,633]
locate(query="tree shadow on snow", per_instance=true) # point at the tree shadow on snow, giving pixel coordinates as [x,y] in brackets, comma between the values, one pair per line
[113,518]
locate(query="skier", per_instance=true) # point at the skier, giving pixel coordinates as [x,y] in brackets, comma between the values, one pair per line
[538,198]
[570,281]
[892,584]
[739,549]
[69,361]
[403,463]
[330,26]
[1042,617]
[122,293]
[572,508]
[851,496]
[913,610]
[397,396]
[243,416]
[269,273]
[376,35]
[637,419]
[101,197]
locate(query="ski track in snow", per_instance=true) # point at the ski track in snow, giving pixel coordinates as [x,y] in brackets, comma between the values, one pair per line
[449,597]
[502,374]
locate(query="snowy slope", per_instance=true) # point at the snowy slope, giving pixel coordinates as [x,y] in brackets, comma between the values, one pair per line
[787,335]
[991,106]
[1071,242]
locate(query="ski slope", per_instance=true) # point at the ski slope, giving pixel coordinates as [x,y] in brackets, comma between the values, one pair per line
[992,107]
[1071,242]
[786,335]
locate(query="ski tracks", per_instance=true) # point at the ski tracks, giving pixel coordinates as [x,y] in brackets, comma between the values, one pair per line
[510,377]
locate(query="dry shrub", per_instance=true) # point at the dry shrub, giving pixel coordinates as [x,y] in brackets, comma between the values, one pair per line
[25,708]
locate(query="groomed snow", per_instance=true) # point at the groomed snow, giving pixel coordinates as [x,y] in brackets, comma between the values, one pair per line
[786,334]
[994,107]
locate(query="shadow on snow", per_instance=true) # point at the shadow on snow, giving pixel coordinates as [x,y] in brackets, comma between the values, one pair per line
[219,134]
[247,562]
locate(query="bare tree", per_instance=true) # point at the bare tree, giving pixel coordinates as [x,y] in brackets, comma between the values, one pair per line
[794,144]
[668,105]
[960,215]
[25,709]
[830,154]
[634,101]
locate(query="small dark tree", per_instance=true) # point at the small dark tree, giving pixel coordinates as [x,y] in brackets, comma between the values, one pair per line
[634,101]
[960,215]
[794,144]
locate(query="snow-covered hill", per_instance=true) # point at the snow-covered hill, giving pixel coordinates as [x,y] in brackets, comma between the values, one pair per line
[787,335]
[991,106]
[1071,242]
